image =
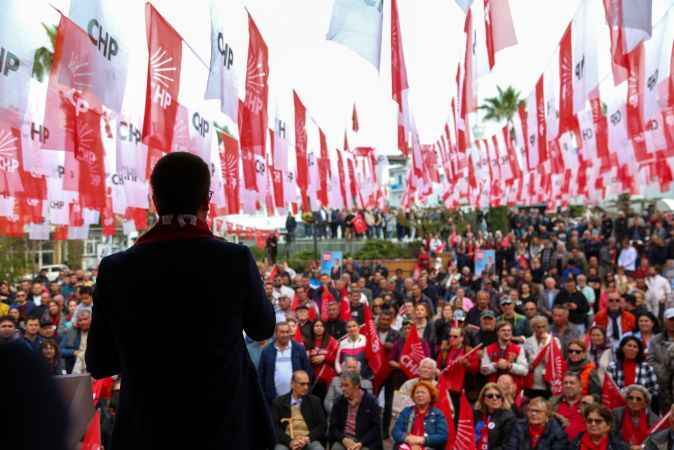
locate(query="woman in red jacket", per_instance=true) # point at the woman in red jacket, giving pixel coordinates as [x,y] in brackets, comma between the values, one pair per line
[322,351]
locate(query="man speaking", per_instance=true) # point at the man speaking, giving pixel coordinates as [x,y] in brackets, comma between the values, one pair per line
[168,317]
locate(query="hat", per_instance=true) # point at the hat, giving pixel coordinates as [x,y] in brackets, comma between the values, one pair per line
[506,301]
[669,313]
[301,306]
[459,315]
[489,314]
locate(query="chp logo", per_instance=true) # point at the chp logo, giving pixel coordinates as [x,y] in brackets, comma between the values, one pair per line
[161,71]
[128,132]
[579,70]
[226,52]
[9,151]
[105,43]
[256,82]
[200,124]
[9,62]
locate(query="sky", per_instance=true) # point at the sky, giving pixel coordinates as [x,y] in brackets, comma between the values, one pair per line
[330,78]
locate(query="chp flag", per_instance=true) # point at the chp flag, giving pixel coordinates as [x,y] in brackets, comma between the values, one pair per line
[222,76]
[357,24]
[412,354]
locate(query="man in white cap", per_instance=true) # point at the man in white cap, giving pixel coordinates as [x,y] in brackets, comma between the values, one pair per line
[660,356]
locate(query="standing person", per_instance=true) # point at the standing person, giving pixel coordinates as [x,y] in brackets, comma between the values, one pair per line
[224,406]
[75,343]
[576,303]
[271,246]
[352,345]
[660,357]
[615,321]
[535,348]
[298,417]
[50,354]
[322,351]
[291,226]
[279,360]
[630,366]
[503,356]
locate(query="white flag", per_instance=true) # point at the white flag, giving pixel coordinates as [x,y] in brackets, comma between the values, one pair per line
[105,24]
[637,22]
[584,37]
[222,77]
[357,24]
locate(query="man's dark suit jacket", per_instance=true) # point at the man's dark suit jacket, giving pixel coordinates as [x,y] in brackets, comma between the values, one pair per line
[312,413]
[168,316]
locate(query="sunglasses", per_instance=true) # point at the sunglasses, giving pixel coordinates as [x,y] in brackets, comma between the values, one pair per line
[575,352]
[594,421]
[493,396]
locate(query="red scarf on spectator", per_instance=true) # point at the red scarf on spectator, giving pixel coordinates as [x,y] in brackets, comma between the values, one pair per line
[536,431]
[418,424]
[483,441]
[630,371]
[587,444]
[631,435]
[174,232]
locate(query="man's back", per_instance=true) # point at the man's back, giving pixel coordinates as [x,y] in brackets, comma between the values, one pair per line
[168,317]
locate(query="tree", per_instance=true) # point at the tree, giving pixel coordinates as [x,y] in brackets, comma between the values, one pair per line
[503,106]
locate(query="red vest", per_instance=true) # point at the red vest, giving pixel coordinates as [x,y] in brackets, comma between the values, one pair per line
[511,353]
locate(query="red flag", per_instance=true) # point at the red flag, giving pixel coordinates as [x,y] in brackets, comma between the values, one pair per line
[354,119]
[92,438]
[323,169]
[542,126]
[499,27]
[163,80]
[567,118]
[85,129]
[465,432]
[301,148]
[10,160]
[555,366]
[341,173]
[412,354]
[229,164]
[662,424]
[253,112]
[398,68]
[610,394]
[374,352]
[445,405]
[298,335]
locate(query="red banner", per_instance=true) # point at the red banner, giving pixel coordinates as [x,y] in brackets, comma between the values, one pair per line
[412,354]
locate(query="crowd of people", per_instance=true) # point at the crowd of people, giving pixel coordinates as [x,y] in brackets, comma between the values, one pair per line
[598,289]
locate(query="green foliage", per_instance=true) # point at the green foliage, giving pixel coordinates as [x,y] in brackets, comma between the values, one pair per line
[301,260]
[14,262]
[576,210]
[75,253]
[382,249]
[44,57]
[497,219]
[258,253]
[624,203]
[503,106]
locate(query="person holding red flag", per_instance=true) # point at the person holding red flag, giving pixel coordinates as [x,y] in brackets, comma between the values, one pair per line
[504,357]
[536,348]
[457,360]
[409,351]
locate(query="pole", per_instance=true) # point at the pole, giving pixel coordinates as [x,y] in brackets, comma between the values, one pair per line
[313,227]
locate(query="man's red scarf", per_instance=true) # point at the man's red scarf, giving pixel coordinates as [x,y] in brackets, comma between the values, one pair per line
[171,229]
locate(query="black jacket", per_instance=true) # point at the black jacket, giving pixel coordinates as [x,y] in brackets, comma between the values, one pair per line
[576,316]
[368,422]
[312,412]
[503,423]
[199,391]
[614,443]
[553,438]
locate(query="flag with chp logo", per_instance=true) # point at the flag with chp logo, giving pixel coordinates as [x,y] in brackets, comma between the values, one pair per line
[163,81]
[222,75]
[229,163]
[412,354]
[253,112]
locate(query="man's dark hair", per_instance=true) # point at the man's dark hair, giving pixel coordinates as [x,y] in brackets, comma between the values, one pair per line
[7,319]
[180,183]
[86,290]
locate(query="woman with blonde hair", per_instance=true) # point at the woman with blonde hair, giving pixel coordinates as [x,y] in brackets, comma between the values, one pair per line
[493,418]
[538,431]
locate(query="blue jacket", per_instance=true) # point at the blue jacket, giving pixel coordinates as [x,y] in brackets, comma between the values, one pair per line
[267,367]
[435,427]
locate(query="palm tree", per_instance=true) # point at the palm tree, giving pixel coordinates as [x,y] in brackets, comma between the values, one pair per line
[44,57]
[503,106]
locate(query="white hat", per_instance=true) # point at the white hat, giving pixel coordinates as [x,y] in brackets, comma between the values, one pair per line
[669,313]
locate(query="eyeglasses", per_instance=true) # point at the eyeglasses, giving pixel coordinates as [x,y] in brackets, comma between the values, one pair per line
[594,421]
[491,396]
[454,336]
[632,398]
[575,352]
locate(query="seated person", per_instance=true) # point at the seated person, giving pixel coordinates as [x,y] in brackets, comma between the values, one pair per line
[421,426]
[427,372]
[298,417]
[351,365]
[355,421]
